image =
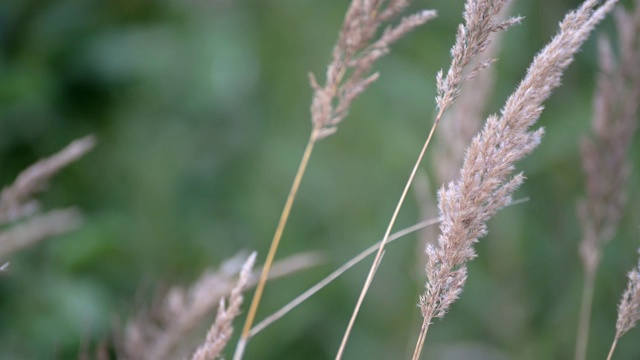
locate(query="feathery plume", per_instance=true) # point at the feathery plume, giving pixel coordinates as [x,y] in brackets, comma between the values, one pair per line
[459,124]
[629,307]
[154,335]
[38,228]
[473,37]
[486,182]
[16,202]
[220,332]
[354,54]
[465,117]
[157,333]
[14,199]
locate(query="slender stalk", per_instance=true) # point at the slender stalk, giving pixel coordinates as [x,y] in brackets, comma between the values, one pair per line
[274,245]
[613,348]
[423,335]
[585,314]
[356,50]
[385,238]
[335,274]
[342,269]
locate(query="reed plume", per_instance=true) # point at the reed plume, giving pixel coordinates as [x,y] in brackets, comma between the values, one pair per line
[628,309]
[37,228]
[486,180]
[155,334]
[354,54]
[465,117]
[159,332]
[16,200]
[458,126]
[17,203]
[220,332]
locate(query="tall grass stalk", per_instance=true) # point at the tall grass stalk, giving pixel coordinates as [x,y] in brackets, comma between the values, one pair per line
[481,20]
[348,75]
[335,274]
[343,268]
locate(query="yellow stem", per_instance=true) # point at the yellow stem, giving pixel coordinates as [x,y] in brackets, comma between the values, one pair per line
[274,244]
[324,282]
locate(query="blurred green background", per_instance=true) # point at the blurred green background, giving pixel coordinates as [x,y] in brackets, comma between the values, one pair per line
[201,112]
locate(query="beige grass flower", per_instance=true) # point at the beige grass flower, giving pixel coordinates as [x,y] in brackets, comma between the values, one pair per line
[487,182]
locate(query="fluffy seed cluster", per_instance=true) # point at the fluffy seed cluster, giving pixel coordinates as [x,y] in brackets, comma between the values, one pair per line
[220,332]
[486,182]
[473,37]
[15,200]
[629,307]
[157,334]
[18,203]
[354,54]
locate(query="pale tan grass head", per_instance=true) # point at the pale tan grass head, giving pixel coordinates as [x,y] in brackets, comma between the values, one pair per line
[157,333]
[459,124]
[354,54]
[17,203]
[220,332]
[15,200]
[160,332]
[38,228]
[487,181]
[481,20]
[629,307]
